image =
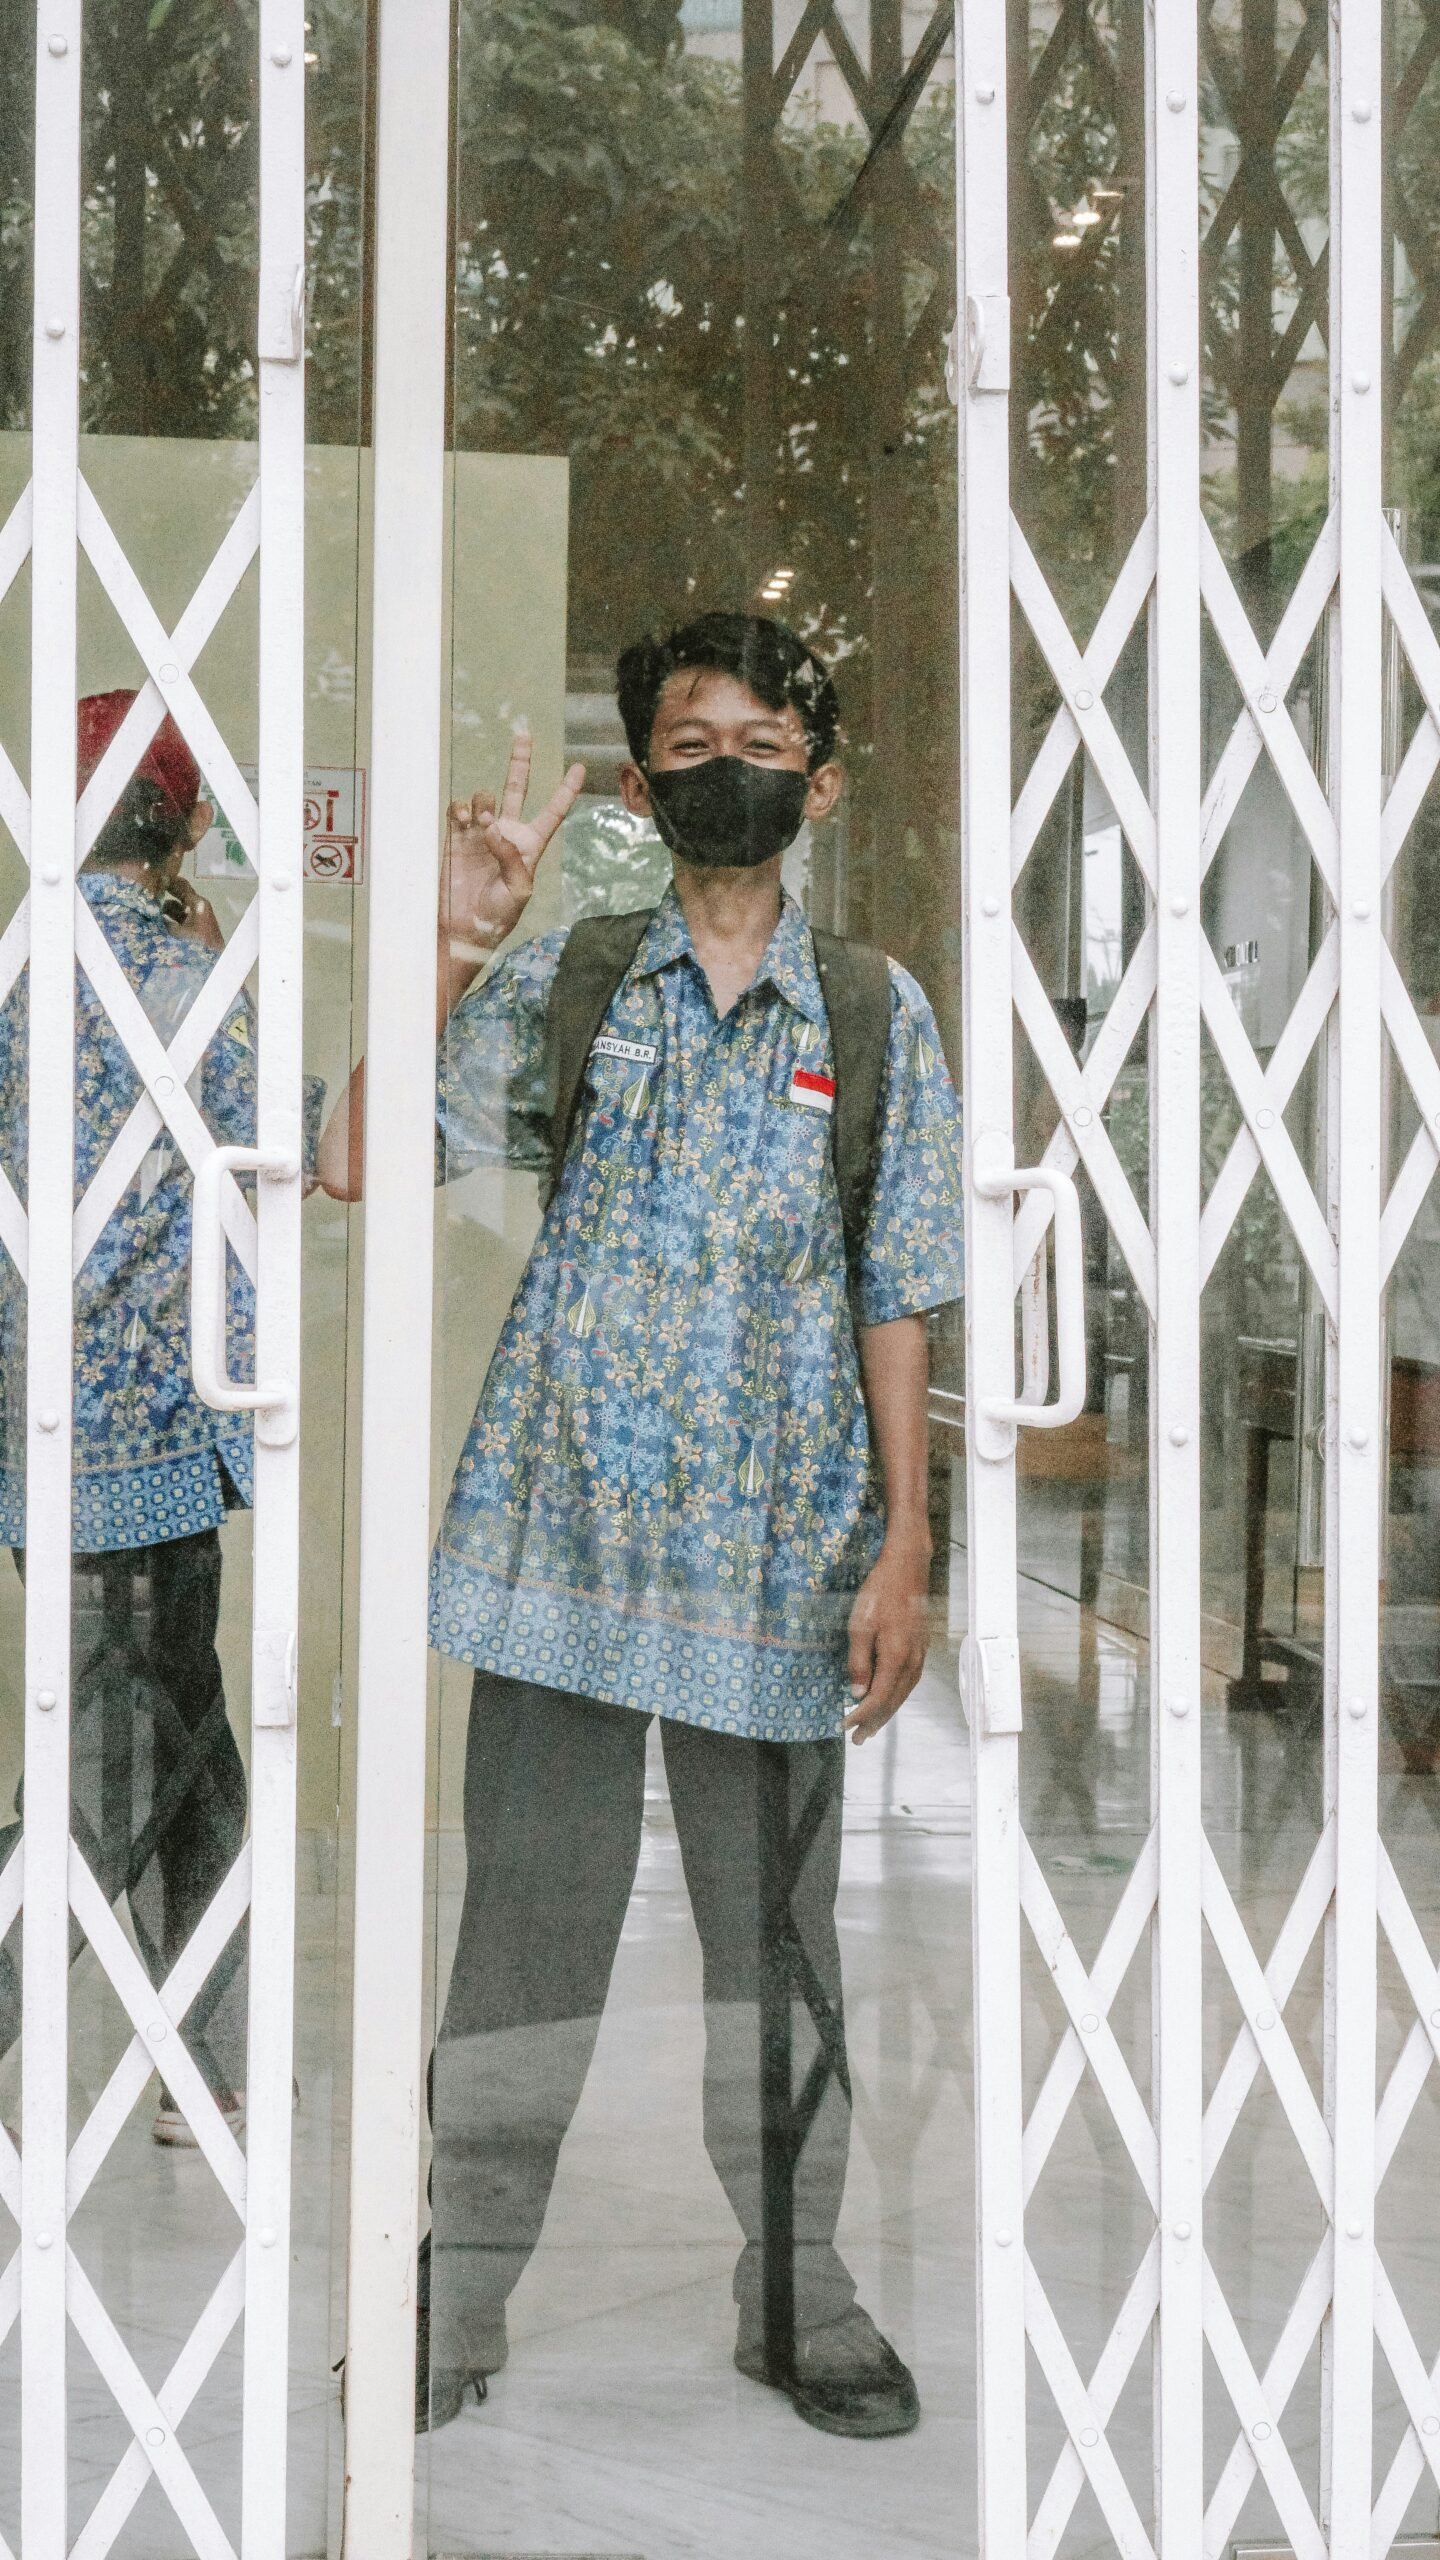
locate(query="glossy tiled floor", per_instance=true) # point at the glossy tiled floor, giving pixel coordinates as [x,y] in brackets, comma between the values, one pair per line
[620,2425]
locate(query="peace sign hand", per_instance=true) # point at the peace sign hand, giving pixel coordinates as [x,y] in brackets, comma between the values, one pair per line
[490,858]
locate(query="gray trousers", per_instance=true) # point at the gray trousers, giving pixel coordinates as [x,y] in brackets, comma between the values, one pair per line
[554,1794]
[157,1782]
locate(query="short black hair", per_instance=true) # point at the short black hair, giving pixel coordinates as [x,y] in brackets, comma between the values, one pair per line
[144,826]
[767,656]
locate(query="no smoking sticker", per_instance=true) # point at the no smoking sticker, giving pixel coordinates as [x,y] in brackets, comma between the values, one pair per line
[334,821]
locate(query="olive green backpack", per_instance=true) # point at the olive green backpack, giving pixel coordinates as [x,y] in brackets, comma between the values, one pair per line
[856,982]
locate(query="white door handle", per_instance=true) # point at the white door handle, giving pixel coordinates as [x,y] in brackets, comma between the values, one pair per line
[995,1177]
[208,1362]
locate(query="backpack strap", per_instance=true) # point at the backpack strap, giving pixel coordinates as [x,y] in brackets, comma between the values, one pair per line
[596,954]
[855,979]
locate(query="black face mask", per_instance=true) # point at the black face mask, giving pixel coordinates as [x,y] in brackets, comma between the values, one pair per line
[728,812]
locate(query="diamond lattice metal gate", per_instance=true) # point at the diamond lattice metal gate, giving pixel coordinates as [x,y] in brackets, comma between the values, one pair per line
[1223,2421]
[46,2283]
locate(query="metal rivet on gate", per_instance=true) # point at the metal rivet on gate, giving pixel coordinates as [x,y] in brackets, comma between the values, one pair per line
[54,328]
[1003,2239]
[1265,701]
[282,57]
[1176,101]
[989,906]
[1179,375]
[1089,2435]
[1361,111]
[1354,2230]
[1430,2426]
[1082,1115]
[1359,1436]
[52,875]
[1090,2022]
[1361,908]
[157,2031]
[1179,1706]
[1265,1117]
[266,2237]
[46,1699]
[281,880]
[44,2240]
[1084,698]
[169,674]
[1260,2430]
[1179,906]
[48,1421]
[1359,381]
[1182,2230]
[59,46]
[985,92]
[164,1085]
[154,2435]
[1264,2018]
[1178,1435]
[1357,1709]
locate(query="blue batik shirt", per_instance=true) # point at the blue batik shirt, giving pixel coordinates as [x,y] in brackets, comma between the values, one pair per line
[666,1499]
[151,1461]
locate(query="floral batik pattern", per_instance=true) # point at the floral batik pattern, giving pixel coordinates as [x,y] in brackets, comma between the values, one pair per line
[151,1461]
[666,1499]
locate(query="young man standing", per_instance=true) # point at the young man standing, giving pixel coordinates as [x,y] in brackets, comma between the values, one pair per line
[695,1487]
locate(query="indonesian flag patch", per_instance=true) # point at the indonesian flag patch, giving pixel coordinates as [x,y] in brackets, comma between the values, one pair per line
[814,1090]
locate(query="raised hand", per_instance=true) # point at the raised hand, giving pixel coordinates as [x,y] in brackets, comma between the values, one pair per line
[488,866]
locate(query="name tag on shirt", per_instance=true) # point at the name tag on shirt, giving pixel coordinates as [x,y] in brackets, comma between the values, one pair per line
[815,1091]
[636,1053]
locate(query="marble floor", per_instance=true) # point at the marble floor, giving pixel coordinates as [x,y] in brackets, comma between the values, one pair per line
[620,2425]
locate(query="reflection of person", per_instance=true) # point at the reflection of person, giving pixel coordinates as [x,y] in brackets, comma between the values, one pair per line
[667,1505]
[158,1785]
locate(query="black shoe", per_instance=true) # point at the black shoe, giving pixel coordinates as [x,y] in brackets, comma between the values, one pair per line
[847,2379]
[440,2396]
[440,2392]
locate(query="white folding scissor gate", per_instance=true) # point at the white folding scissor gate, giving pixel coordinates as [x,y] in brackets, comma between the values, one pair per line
[1328,2422]
[46,2283]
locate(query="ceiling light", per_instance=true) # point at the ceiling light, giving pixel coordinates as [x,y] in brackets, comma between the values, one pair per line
[1066,240]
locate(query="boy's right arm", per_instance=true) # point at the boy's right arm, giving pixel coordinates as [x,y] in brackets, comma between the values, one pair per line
[487,872]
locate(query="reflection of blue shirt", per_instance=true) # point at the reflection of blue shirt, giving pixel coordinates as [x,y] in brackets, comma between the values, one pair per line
[666,1497]
[148,1454]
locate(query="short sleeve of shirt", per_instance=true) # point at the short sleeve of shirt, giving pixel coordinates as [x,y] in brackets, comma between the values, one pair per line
[490,1102]
[229,1079]
[913,1257]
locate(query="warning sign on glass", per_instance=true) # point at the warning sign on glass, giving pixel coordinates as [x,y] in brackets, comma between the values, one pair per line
[334,828]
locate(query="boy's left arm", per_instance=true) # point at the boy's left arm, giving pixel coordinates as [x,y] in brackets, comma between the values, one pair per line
[888,1621]
[911,1263]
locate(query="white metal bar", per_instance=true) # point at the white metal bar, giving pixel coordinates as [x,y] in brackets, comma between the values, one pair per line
[1357,358]
[168,673]
[149,2017]
[274,1635]
[985,622]
[164,1082]
[1173,360]
[142,2413]
[192,1968]
[117,2500]
[1083,2424]
[406,782]
[55,434]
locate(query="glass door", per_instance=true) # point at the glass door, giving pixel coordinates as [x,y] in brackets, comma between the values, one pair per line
[1197,797]
[180,860]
